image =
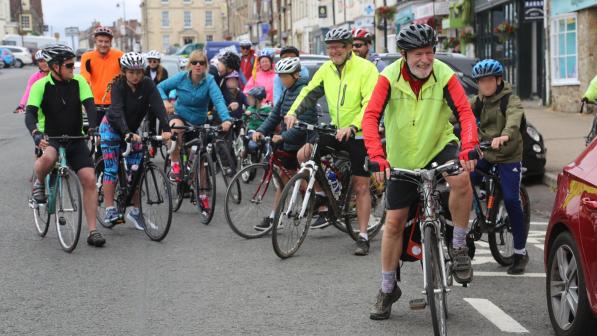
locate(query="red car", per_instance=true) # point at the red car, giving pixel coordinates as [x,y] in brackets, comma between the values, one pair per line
[571,248]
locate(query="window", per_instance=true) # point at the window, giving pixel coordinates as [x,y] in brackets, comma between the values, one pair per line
[187,19]
[209,38]
[165,41]
[209,19]
[186,2]
[26,22]
[164,2]
[208,1]
[564,46]
[165,19]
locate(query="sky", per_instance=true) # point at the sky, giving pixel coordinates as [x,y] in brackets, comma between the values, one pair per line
[59,14]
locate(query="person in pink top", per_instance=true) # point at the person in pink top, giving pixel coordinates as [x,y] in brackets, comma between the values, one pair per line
[43,71]
[265,75]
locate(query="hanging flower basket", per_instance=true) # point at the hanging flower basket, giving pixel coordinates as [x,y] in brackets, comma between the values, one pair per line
[504,31]
[467,37]
[450,43]
[385,12]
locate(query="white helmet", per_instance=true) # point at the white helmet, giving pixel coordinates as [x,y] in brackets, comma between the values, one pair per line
[183,63]
[154,54]
[132,61]
[288,65]
[39,55]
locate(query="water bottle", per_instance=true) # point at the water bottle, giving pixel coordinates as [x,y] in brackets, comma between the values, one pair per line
[333,181]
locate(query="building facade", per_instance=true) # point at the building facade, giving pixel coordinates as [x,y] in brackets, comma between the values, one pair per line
[4,18]
[29,16]
[174,23]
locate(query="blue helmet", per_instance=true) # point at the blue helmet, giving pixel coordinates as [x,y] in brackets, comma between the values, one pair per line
[488,67]
[258,93]
[266,52]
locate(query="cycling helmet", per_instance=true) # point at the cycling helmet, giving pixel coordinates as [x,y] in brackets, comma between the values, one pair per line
[230,60]
[154,54]
[258,93]
[101,30]
[487,67]
[57,54]
[288,65]
[132,61]
[361,34]
[183,63]
[39,55]
[416,36]
[266,52]
[338,35]
[233,74]
[289,50]
[245,43]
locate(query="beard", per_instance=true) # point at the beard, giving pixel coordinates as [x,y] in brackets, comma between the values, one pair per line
[421,72]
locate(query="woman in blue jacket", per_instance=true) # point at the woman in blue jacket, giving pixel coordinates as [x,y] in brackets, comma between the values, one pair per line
[195,89]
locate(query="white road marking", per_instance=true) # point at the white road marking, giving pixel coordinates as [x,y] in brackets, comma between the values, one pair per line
[496,316]
[535,233]
[482,260]
[540,246]
[539,223]
[504,274]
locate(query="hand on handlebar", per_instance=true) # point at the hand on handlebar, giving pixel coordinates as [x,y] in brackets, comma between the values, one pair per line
[133,137]
[383,168]
[497,142]
[256,136]
[226,126]
[343,134]
[166,136]
[289,120]
[468,159]
[277,138]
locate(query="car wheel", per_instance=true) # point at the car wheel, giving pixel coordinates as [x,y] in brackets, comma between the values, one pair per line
[19,64]
[567,301]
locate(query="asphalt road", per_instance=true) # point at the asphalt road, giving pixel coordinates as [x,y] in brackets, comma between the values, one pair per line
[205,280]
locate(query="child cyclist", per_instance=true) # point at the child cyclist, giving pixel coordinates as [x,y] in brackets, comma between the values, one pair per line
[502,129]
[289,70]
[257,111]
[133,96]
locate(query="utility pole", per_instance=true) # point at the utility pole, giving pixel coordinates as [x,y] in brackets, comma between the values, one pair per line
[123,39]
[21,32]
[385,30]
[333,13]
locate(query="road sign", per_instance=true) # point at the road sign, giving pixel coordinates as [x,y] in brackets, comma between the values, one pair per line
[71,31]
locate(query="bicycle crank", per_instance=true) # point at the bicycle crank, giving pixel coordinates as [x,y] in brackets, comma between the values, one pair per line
[417,304]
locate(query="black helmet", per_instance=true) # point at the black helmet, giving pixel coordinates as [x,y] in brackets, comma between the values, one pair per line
[57,54]
[258,93]
[416,36]
[289,50]
[338,35]
[230,60]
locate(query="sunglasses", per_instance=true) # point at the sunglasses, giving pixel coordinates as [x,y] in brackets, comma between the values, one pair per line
[202,63]
[357,45]
[153,61]
[245,48]
[69,65]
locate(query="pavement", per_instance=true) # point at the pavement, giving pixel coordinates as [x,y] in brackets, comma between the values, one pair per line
[205,280]
[563,134]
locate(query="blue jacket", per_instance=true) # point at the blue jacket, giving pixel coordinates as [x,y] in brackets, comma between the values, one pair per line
[279,88]
[193,100]
[293,138]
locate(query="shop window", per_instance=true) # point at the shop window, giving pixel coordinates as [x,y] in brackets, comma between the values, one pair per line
[564,45]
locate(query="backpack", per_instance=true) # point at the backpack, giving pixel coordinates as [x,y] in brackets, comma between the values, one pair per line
[478,107]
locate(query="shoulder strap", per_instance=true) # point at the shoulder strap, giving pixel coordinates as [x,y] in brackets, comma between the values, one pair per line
[504,103]
[477,107]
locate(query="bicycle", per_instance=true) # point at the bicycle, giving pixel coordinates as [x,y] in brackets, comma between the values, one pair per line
[63,199]
[296,206]
[240,148]
[593,131]
[146,181]
[437,262]
[259,203]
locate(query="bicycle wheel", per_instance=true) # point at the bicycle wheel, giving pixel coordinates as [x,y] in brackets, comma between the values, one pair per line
[376,218]
[69,209]
[156,203]
[501,241]
[179,188]
[204,191]
[255,202]
[434,287]
[41,216]
[289,228]
[223,149]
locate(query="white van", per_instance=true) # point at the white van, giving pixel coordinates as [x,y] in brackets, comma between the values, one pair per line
[22,55]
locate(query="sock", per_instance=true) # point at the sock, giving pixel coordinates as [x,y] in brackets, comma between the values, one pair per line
[388,281]
[364,235]
[110,208]
[459,239]
[134,211]
[522,251]
[271,214]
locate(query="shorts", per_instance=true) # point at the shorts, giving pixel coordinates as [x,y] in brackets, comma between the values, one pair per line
[355,148]
[77,154]
[111,144]
[288,160]
[401,194]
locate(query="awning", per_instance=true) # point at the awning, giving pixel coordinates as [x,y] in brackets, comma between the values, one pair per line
[404,16]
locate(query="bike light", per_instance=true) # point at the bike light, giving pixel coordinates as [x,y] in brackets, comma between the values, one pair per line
[533,133]
[537,148]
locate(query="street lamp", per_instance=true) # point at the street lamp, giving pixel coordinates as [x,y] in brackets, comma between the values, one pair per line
[125,39]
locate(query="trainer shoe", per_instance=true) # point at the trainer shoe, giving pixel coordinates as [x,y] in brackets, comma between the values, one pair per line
[382,308]
[95,239]
[137,220]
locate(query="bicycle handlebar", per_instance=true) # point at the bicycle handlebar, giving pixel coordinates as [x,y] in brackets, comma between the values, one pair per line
[129,143]
[321,128]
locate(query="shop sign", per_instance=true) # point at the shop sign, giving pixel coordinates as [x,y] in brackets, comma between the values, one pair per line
[533,10]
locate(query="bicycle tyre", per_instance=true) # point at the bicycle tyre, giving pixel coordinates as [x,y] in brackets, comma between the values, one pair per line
[222,147]
[496,238]
[155,228]
[41,216]
[278,234]
[350,218]
[67,185]
[205,215]
[179,187]
[436,301]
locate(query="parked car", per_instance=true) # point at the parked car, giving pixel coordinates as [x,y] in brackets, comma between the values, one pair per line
[570,251]
[187,49]
[22,55]
[212,48]
[7,57]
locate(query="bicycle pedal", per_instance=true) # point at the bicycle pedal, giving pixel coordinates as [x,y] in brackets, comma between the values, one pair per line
[61,221]
[417,304]
[465,285]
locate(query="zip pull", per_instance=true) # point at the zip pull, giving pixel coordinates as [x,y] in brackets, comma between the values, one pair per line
[343,95]
[413,122]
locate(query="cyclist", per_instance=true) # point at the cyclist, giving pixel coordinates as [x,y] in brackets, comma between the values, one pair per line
[43,72]
[100,66]
[154,69]
[256,113]
[235,98]
[362,47]
[247,60]
[54,109]
[289,71]
[591,93]
[265,74]
[133,96]
[424,93]
[285,52]
[227,63]
[195,89]
[503,130]
[347,82]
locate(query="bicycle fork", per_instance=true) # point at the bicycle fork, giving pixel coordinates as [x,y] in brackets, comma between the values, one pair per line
[297,189]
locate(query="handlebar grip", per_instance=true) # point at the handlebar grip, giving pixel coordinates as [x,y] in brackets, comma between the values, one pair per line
[129,147]
[370,166]
[475,154]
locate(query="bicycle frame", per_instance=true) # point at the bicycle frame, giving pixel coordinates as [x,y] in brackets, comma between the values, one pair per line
[272,157]
[56,184]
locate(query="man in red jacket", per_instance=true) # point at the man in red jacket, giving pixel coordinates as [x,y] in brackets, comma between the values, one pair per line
[247,60]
